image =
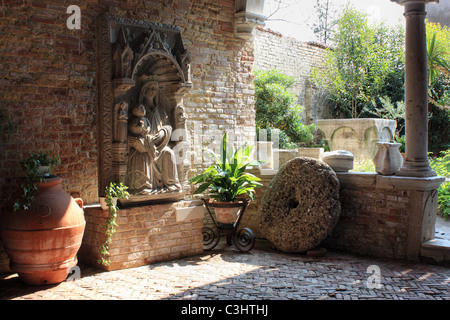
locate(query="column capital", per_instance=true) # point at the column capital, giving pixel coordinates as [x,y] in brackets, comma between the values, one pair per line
[248,15]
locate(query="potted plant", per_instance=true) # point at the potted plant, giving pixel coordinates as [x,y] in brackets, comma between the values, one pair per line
[43,233]
[113,192]
[37,167]
[227,180]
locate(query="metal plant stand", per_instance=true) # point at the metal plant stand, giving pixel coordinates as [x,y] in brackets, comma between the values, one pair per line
[243,239]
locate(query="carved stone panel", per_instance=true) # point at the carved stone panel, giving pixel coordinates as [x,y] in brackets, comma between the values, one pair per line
[144,71]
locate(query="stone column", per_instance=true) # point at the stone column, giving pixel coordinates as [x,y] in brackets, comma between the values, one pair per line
[416,91]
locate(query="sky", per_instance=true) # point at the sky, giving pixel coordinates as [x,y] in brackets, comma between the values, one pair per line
[294,16]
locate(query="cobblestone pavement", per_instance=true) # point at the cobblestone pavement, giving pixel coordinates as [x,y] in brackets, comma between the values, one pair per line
[262,274]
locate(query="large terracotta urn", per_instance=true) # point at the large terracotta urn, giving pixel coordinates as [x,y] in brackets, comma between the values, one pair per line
[42,242]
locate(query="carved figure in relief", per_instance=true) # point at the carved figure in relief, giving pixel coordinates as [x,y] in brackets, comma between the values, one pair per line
[121,121]
[151,163]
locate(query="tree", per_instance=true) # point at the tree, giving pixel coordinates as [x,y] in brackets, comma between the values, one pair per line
[438,56]
[438,62]
[325,19]
[364,59]
[276,108]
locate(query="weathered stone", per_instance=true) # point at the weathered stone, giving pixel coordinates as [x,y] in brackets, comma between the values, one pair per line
[339,160]
[300,206]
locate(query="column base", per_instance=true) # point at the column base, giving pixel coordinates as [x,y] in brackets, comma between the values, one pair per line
[416,169]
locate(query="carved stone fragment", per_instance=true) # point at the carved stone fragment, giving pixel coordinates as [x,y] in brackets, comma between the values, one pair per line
[144,72]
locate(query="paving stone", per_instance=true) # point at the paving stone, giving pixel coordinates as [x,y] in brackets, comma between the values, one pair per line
[262,274]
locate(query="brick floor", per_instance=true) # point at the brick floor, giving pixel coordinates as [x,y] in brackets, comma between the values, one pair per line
[262,274]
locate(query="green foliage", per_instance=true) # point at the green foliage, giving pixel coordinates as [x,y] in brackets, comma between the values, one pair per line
[227,178]
[31,166]
[113,192]
[363,165]
[325,19]
[438,62]
[389,110]
[444,200]
[276,108]
[366,58]
[442,167]
[402,141]
[442,164]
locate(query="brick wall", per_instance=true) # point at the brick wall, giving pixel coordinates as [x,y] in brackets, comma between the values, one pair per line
[296,59]
[385,216]
[48,82]
[144,235]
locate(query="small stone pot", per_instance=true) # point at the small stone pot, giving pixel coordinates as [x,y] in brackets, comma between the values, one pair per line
[388,159]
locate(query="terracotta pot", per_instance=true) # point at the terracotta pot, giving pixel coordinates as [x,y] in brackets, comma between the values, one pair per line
[226,212]
[42,242]
[227,215]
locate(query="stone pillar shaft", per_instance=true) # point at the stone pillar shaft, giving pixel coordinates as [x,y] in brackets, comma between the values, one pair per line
[416,93]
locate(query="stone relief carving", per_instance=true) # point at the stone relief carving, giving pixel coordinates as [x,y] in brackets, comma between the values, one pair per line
[148,71]
[151,164]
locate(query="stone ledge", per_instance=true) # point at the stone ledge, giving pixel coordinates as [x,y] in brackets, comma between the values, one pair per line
[375,180]
[187,214]
[436,249]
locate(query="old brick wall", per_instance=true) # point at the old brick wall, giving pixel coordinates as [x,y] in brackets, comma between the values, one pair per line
[49,82]
[385,216]
[296,59]
[144,235]
[373,222]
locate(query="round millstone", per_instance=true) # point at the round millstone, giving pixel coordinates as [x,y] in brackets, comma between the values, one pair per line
[301,205]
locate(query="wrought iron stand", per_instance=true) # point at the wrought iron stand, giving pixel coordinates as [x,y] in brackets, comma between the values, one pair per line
[243,239]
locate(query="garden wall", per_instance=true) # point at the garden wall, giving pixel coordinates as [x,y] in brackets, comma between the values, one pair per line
[296,59]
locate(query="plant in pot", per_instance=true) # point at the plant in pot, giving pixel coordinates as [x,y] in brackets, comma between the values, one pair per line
[37,167]
[227,180]
[113,192]
[42,232]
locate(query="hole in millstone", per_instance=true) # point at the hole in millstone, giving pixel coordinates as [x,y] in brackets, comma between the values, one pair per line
[293,203]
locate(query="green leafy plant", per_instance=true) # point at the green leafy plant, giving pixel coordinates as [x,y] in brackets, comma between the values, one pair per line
[276,109]
[366,62]
[113,192]
[32,166]
[402,141]
[442,167]
[227,178]
[444,200]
